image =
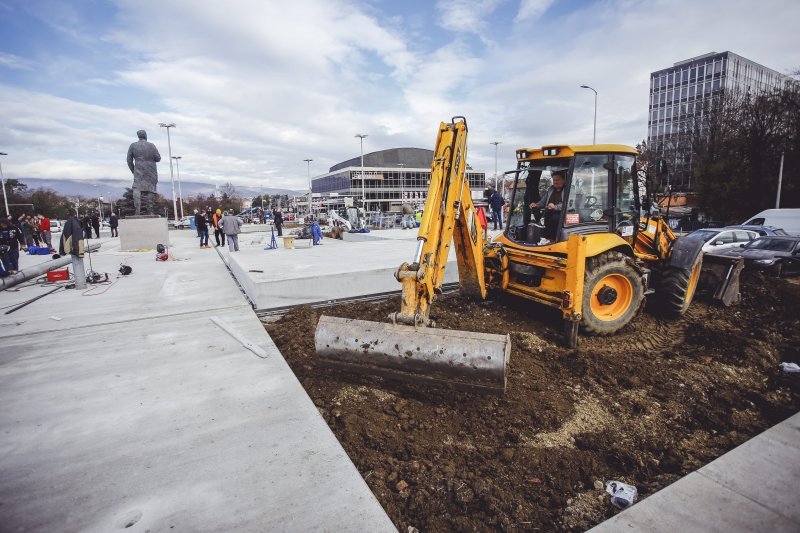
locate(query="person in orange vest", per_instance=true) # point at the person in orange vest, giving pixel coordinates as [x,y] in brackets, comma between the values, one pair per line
[218,233]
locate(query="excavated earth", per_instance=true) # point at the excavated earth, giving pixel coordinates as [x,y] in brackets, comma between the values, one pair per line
[646,406]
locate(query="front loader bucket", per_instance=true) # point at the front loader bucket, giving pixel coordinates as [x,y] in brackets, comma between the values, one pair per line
[720,276]
[467,360]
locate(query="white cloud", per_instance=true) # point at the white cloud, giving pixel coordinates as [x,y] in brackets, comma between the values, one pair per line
[530,10]
[465,15]
[256,87]
[14,62]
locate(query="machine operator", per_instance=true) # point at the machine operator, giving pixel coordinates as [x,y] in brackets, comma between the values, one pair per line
[551,202]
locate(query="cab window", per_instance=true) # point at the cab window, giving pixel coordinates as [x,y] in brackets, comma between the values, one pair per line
[588,195]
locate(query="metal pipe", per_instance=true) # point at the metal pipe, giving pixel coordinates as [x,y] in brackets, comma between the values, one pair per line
[780,179]
[23,304]
[41,269]
[3,181]
[361,136]
[171,175]
[594,130]
[180,190]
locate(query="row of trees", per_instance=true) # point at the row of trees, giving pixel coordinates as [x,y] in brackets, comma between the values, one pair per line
[48,202]
[733,144]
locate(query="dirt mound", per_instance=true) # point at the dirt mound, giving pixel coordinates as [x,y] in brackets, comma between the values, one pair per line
[646,406]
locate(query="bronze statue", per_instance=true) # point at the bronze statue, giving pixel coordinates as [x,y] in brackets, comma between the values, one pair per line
[145,173]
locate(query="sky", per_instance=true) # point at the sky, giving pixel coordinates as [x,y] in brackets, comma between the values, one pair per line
[255,87]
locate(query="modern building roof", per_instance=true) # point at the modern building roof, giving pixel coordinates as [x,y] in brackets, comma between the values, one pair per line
[408,157]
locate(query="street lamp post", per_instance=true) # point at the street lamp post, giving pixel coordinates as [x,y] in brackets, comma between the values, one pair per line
[171,175]
[99,203]
[594,131]
[495,143]
[111,199]
[402,176]
[180,191]
[3,181]
[362,136]
[308,162]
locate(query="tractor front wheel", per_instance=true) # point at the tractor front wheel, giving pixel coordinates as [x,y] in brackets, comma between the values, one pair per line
[613,293]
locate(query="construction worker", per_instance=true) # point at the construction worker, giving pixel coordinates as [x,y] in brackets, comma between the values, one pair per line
[219,235]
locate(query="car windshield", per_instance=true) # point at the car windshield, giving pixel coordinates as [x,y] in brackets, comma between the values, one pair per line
[774,245]
[703,234]
[779,232]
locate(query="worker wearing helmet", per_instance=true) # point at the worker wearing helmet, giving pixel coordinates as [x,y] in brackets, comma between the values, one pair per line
[218,233]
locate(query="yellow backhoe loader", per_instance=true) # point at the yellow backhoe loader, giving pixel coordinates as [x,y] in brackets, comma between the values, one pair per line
[584,249]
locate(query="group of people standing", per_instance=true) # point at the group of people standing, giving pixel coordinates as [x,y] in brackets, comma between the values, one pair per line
[226,225]
[19,235]
[34,230]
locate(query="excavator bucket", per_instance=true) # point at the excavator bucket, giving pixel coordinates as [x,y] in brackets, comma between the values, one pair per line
[466,360]
[720,277]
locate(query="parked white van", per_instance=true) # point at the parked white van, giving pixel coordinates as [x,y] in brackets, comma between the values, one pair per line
[786,219]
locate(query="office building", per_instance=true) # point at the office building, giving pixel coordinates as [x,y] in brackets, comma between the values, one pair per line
[685,91]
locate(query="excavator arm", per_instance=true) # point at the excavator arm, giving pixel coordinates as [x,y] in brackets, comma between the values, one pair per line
[449,217]
[409,348]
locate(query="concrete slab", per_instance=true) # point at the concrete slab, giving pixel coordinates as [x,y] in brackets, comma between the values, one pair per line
[751,488]
[761,467]
[336,269]
[137,409]
[697,504]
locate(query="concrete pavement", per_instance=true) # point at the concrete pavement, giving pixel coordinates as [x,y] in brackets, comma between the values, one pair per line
[127,406]
[751,488]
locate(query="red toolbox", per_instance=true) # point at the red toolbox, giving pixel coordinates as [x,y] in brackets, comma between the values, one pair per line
[58,275]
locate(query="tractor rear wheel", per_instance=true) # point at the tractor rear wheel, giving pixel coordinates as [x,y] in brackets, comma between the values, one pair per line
[613,293]
[677,288]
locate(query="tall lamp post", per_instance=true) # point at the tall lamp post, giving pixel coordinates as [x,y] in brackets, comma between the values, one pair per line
[362,136]
[402,175]
[3,181]
[308,162]
[171,175]
[180,191]
[495,143]
[111,199]
[99,203]
[594,131]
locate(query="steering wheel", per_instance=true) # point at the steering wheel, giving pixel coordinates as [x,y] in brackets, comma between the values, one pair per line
[591,201]
[626,223]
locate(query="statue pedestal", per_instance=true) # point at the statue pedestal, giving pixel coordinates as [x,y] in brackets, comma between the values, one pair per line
[142,233]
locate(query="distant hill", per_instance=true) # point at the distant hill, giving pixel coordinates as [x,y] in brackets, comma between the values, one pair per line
[115,188]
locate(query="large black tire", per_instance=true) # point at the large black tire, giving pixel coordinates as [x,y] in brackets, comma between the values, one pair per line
[677,288]
[613,293]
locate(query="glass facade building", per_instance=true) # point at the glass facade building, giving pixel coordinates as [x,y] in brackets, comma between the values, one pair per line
[389,178]
[685,91]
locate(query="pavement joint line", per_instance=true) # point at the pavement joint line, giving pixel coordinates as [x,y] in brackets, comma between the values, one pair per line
[228,266]
[244,306]
[230,330]
[745,496]
[776,510]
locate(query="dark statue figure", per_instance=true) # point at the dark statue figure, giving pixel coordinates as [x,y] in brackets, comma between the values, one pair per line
[145,174]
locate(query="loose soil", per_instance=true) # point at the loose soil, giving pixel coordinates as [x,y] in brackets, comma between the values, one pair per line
[646,406]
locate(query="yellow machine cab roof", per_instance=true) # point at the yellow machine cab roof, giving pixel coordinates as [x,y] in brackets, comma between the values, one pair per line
[567,150]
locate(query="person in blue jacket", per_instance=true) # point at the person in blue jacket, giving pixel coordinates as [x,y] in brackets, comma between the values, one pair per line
[496,202]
